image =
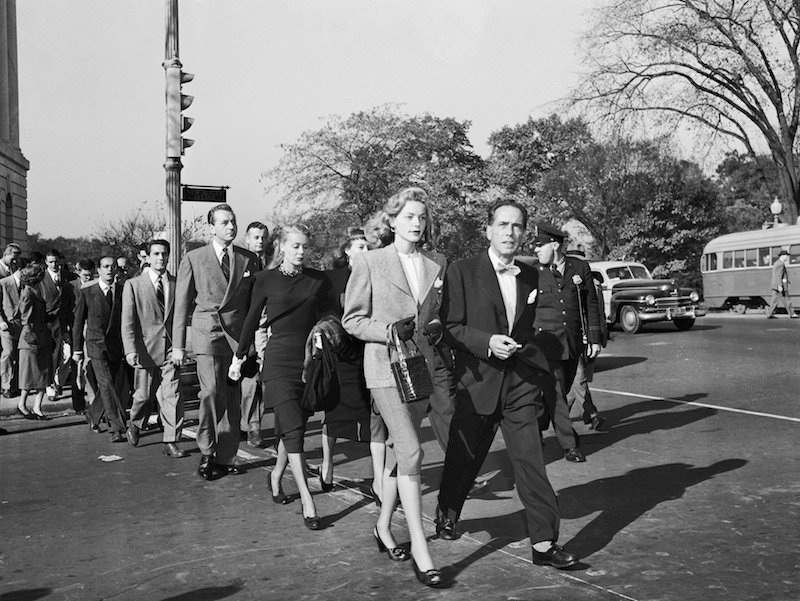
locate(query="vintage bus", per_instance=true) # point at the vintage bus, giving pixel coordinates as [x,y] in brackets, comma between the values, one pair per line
[737,268]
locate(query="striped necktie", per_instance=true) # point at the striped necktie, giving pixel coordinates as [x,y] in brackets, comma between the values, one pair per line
[226,264]
[160,293]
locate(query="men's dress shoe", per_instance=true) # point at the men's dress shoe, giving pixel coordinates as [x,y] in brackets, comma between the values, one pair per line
[555,556]
[445,527]
[117,437]
[254,439]
[172,450]
[233,470]
[574,455]
[206,469]
[133,435]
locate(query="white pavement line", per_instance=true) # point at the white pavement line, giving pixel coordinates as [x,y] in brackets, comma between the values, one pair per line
[357,491]
[696,404]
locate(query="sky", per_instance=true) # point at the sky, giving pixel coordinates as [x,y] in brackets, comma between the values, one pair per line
[91,82]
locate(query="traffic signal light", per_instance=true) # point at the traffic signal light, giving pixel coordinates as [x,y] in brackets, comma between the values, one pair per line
[176,103]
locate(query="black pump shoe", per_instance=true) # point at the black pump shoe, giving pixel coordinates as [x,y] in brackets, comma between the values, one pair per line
[324,485]
[312,523]
[395,554]
[280,498]
[432,578]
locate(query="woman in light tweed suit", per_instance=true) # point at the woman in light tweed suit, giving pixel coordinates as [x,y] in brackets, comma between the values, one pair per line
[400,284]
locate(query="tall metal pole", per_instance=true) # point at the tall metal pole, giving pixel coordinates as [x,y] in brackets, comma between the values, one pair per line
[172,165]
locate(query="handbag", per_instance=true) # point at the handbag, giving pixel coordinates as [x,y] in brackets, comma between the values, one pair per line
[410,370]
[321,390]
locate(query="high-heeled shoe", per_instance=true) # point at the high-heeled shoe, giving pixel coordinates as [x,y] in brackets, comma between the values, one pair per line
[324,485]
[312,523]
[395,553]
[39,416]
[280,498]
[28,415]
[375,497]
[432,578]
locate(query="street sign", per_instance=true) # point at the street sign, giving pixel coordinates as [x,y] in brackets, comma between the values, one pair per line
[203,193]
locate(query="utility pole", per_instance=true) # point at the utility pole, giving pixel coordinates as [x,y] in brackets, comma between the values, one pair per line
[176,124]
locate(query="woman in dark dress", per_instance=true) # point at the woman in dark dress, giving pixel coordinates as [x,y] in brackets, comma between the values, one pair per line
[295,298]
[353,417]
[35,343]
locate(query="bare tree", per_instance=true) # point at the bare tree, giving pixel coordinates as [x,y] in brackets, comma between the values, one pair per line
[729,66]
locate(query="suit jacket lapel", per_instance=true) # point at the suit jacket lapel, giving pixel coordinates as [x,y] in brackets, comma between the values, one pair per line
[430,271]
[214,268]
[395,273]
[487,281]
[524,288]
[170,287]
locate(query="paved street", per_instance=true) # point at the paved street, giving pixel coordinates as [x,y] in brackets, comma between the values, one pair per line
[691,494]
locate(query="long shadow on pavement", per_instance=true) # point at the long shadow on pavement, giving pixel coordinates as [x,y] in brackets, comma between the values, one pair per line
[621,500]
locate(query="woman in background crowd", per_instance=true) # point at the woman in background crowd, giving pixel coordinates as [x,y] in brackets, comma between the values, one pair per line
[352,418]
[35,342]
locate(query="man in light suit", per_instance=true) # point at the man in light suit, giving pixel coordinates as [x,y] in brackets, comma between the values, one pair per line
[488,312]
[147,311]
[9,260]
[58,297]
[10,327]
[99,308]
[780,286]
[213,288]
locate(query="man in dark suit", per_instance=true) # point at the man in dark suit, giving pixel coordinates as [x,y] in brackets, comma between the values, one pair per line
[99,308]
[10,327]
[213,288]
[567,300]
[780,286]
[147,311]
[488,313]
[60,304]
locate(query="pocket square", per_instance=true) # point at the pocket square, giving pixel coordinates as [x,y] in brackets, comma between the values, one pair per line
[532,296]
[246,274]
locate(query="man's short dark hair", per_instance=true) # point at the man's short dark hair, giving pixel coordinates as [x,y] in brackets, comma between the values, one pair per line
[221,207]
[257,225]
[86,264]
[157,241]
[505,202]
[54,252]
[142,247]
[37,257]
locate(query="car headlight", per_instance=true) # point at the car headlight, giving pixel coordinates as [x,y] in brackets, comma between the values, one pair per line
[694,297]
[650,299]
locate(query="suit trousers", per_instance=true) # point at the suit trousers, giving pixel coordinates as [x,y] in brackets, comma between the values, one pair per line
[146,382]
[442,403]
[785,300]
[9,357]
[106,375]
[252,409]
[219,415]
[552,405]
[580,393]
[471,436]
[55,332]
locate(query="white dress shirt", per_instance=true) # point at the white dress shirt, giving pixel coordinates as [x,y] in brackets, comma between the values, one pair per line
[153,277]
[508,288]
[412,266]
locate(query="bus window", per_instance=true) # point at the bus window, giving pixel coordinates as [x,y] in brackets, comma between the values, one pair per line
[712,262]
[775,253]
[738,258]
[794,254]
[750,258]
[763,257]
[727,259]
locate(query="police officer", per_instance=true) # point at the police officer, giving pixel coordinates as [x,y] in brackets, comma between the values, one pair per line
[566,325]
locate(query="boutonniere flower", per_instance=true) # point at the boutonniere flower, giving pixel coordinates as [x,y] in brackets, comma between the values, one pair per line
[532,296]
[577,280]
[438,283]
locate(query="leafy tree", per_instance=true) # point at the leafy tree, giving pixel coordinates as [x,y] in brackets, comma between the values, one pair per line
[729,67]
[342,173]
[747,187]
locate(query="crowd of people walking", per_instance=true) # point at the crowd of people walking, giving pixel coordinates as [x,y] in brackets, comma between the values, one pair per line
[497,342]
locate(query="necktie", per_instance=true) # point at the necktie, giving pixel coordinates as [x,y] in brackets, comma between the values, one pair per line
[109,297]
[226,264]
[160,293]
[510,268]
[556,272]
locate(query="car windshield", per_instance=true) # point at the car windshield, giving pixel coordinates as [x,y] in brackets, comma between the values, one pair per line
[628,272]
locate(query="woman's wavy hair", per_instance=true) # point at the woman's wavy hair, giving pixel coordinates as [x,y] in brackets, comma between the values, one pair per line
[31,274]
[378,228]
[340,258]
[283,234]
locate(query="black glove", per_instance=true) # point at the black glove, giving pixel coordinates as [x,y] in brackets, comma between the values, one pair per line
[405,328]
[433,331]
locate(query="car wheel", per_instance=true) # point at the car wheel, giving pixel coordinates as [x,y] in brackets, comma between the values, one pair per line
[629,320]
[683,324]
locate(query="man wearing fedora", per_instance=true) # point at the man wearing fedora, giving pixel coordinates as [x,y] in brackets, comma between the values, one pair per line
[780,286]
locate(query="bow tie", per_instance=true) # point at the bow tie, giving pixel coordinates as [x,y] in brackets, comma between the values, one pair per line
[510,268]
